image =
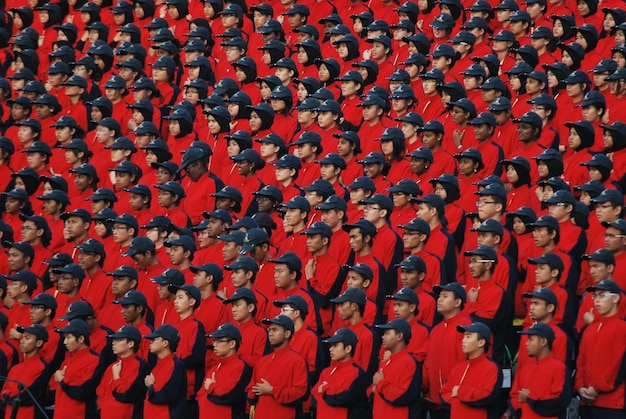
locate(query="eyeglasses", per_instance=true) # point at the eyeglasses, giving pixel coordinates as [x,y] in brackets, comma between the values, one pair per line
[602,296]
[614,236]
[481,203]
[285,309]
[37,307]
[222,340]
[120,228]
[559,204]
[475,261]
[605,206]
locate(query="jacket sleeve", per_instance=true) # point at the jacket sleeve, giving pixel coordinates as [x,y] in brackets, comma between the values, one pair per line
[404,391]
[132,391]
[485,395]
[197,352]
[36,388]
[299,388]
[170,392]
[553,404]
[86,390]
[353,395]
[229,394]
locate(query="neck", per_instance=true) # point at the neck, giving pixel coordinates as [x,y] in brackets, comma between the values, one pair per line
[163,354]
[450,314]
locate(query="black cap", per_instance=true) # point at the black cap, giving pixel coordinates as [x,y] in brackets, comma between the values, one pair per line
[399,325]
[542,330]
[76,326]
[545,294]
[344,335]
[165,331]
[477,327]
[226,330]
[281,320]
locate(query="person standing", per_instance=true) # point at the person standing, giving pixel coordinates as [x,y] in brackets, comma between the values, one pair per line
[599,367]
[540,387]
[473,386]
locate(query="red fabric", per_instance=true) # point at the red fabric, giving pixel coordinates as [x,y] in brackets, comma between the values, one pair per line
[81,367]
[107,403]
[601,354]
[545,378]
[286,371]
[476,379]
[398,371]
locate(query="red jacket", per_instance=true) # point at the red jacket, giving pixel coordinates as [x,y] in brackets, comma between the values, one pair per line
[397,394]
[226,398]
[75,395]
[253,342]
[343,392]
[600,360]
[96,289]
[122,398]
[198,196]
[30,373]
[191,351]
[166,398]
[286,371]
[444,352]
[321,284]
[479,381]
[545,378]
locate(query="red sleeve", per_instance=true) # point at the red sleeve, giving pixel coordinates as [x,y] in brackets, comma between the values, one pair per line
[487,382]
[299,383]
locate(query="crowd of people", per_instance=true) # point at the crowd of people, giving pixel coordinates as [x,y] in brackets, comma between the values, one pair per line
[313,209]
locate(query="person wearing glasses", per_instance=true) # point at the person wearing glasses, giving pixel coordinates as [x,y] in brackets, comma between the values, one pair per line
[485,301]
[223,392]
[599,368]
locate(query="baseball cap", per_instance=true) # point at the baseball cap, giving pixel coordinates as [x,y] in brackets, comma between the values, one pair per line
[399,325]
[477,327]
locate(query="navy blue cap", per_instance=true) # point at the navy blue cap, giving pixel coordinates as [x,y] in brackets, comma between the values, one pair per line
[619,224]
[71,268]
[172,187]
[210,269]
[242,293]
[92,246]
[294,300]
[281,320]
[290,259]
[434,201]
[422,153]
[77,310]
[169,276]
[551,259]
[103,194]
[43,299]
[254,237]
[133,297]
[545,294]
[244,262]
[599,160]
[124,270]
[343,335]
[561,196]
[354,295]
[226,330]
[405,294]
[127,332]
[609,195]
[219,214]
[298,202]
[399,325]
[443,21]
[412,263]
[486,252]
[78,212]
[77,326]
[38,330]
[318,228]
[606,285]
[165,331]
[455,287]
[477,327]
[334,159]
[140,244]
[186,242]
[373,157]
[407,186]
[541,330]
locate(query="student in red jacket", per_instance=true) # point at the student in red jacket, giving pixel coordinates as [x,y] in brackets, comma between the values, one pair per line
[223,393]
[439,361]
[473,386]
[280,380]
[167,383]
[599,367]
[79,375]
[32,373]
[192,346]
[540,387]
[396,384]
[340,391]
[121,392]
